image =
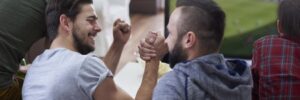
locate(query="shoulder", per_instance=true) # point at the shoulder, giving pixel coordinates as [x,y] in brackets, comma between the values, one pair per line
[91,74]
[93,64]
[274,41]
[169,86]
[265,39]
[173,77]
[271,41]
[90,59]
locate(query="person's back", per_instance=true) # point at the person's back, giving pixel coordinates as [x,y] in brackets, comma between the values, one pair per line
[275,67]
[22,23]
[210,77]
[276,58]
[61,71]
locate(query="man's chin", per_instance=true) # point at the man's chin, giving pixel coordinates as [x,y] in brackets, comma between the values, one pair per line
[92,48]
[86,50]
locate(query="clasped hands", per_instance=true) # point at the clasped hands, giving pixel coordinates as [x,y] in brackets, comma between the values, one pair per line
[153,47]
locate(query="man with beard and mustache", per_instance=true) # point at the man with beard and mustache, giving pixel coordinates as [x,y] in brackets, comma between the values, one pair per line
[65,72]
[200,72]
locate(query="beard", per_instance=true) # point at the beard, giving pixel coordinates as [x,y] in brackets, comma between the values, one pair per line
[79,44]
[177,55]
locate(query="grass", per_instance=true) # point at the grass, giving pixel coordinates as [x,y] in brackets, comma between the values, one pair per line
[246,21]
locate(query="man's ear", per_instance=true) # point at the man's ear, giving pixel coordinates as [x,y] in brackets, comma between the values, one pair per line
[65,23]
[279,28]
[190,40]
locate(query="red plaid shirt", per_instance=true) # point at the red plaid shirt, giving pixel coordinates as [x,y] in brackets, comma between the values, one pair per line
[276,68]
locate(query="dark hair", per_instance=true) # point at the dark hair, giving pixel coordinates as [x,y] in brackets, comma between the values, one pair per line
[289,17]
[55,8]
[206,19]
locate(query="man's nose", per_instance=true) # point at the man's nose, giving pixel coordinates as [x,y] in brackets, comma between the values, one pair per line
[97,28]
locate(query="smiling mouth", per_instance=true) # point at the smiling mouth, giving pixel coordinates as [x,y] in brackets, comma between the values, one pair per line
[92,35]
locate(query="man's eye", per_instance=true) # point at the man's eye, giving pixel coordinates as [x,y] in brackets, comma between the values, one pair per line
[90,20]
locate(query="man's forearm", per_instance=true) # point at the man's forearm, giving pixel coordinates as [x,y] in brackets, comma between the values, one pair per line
[149,80]
[113,56]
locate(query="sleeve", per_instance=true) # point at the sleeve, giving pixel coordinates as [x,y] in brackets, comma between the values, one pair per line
[92,72]
[168,89]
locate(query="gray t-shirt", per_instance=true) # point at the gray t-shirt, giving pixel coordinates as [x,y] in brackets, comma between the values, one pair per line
[61,74]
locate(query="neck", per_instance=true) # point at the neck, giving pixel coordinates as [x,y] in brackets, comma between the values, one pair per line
[63,42]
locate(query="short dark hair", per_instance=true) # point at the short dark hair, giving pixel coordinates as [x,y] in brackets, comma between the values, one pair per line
[289,17]
[206,19]
[55,8]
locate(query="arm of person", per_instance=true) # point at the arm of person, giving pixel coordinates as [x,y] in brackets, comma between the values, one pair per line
[121,33]
[113,56]
[149,80]
[150,76]
[109,91]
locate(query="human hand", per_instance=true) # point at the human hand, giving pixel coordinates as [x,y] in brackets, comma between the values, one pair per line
[121,31]
[153,46]
[146,48]
[24,68]
[160,46]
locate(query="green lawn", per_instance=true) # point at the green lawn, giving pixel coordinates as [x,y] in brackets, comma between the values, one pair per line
[246,21]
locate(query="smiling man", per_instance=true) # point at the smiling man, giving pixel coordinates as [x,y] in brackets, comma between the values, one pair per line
[65,72]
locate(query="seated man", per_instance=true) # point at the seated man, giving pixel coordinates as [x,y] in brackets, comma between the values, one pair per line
[276,58]
[200,73]
[65,72]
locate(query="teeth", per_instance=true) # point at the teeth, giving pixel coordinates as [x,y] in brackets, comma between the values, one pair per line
[92,37]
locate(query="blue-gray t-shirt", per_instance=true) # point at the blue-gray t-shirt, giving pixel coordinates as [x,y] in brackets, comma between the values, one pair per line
[61,74]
